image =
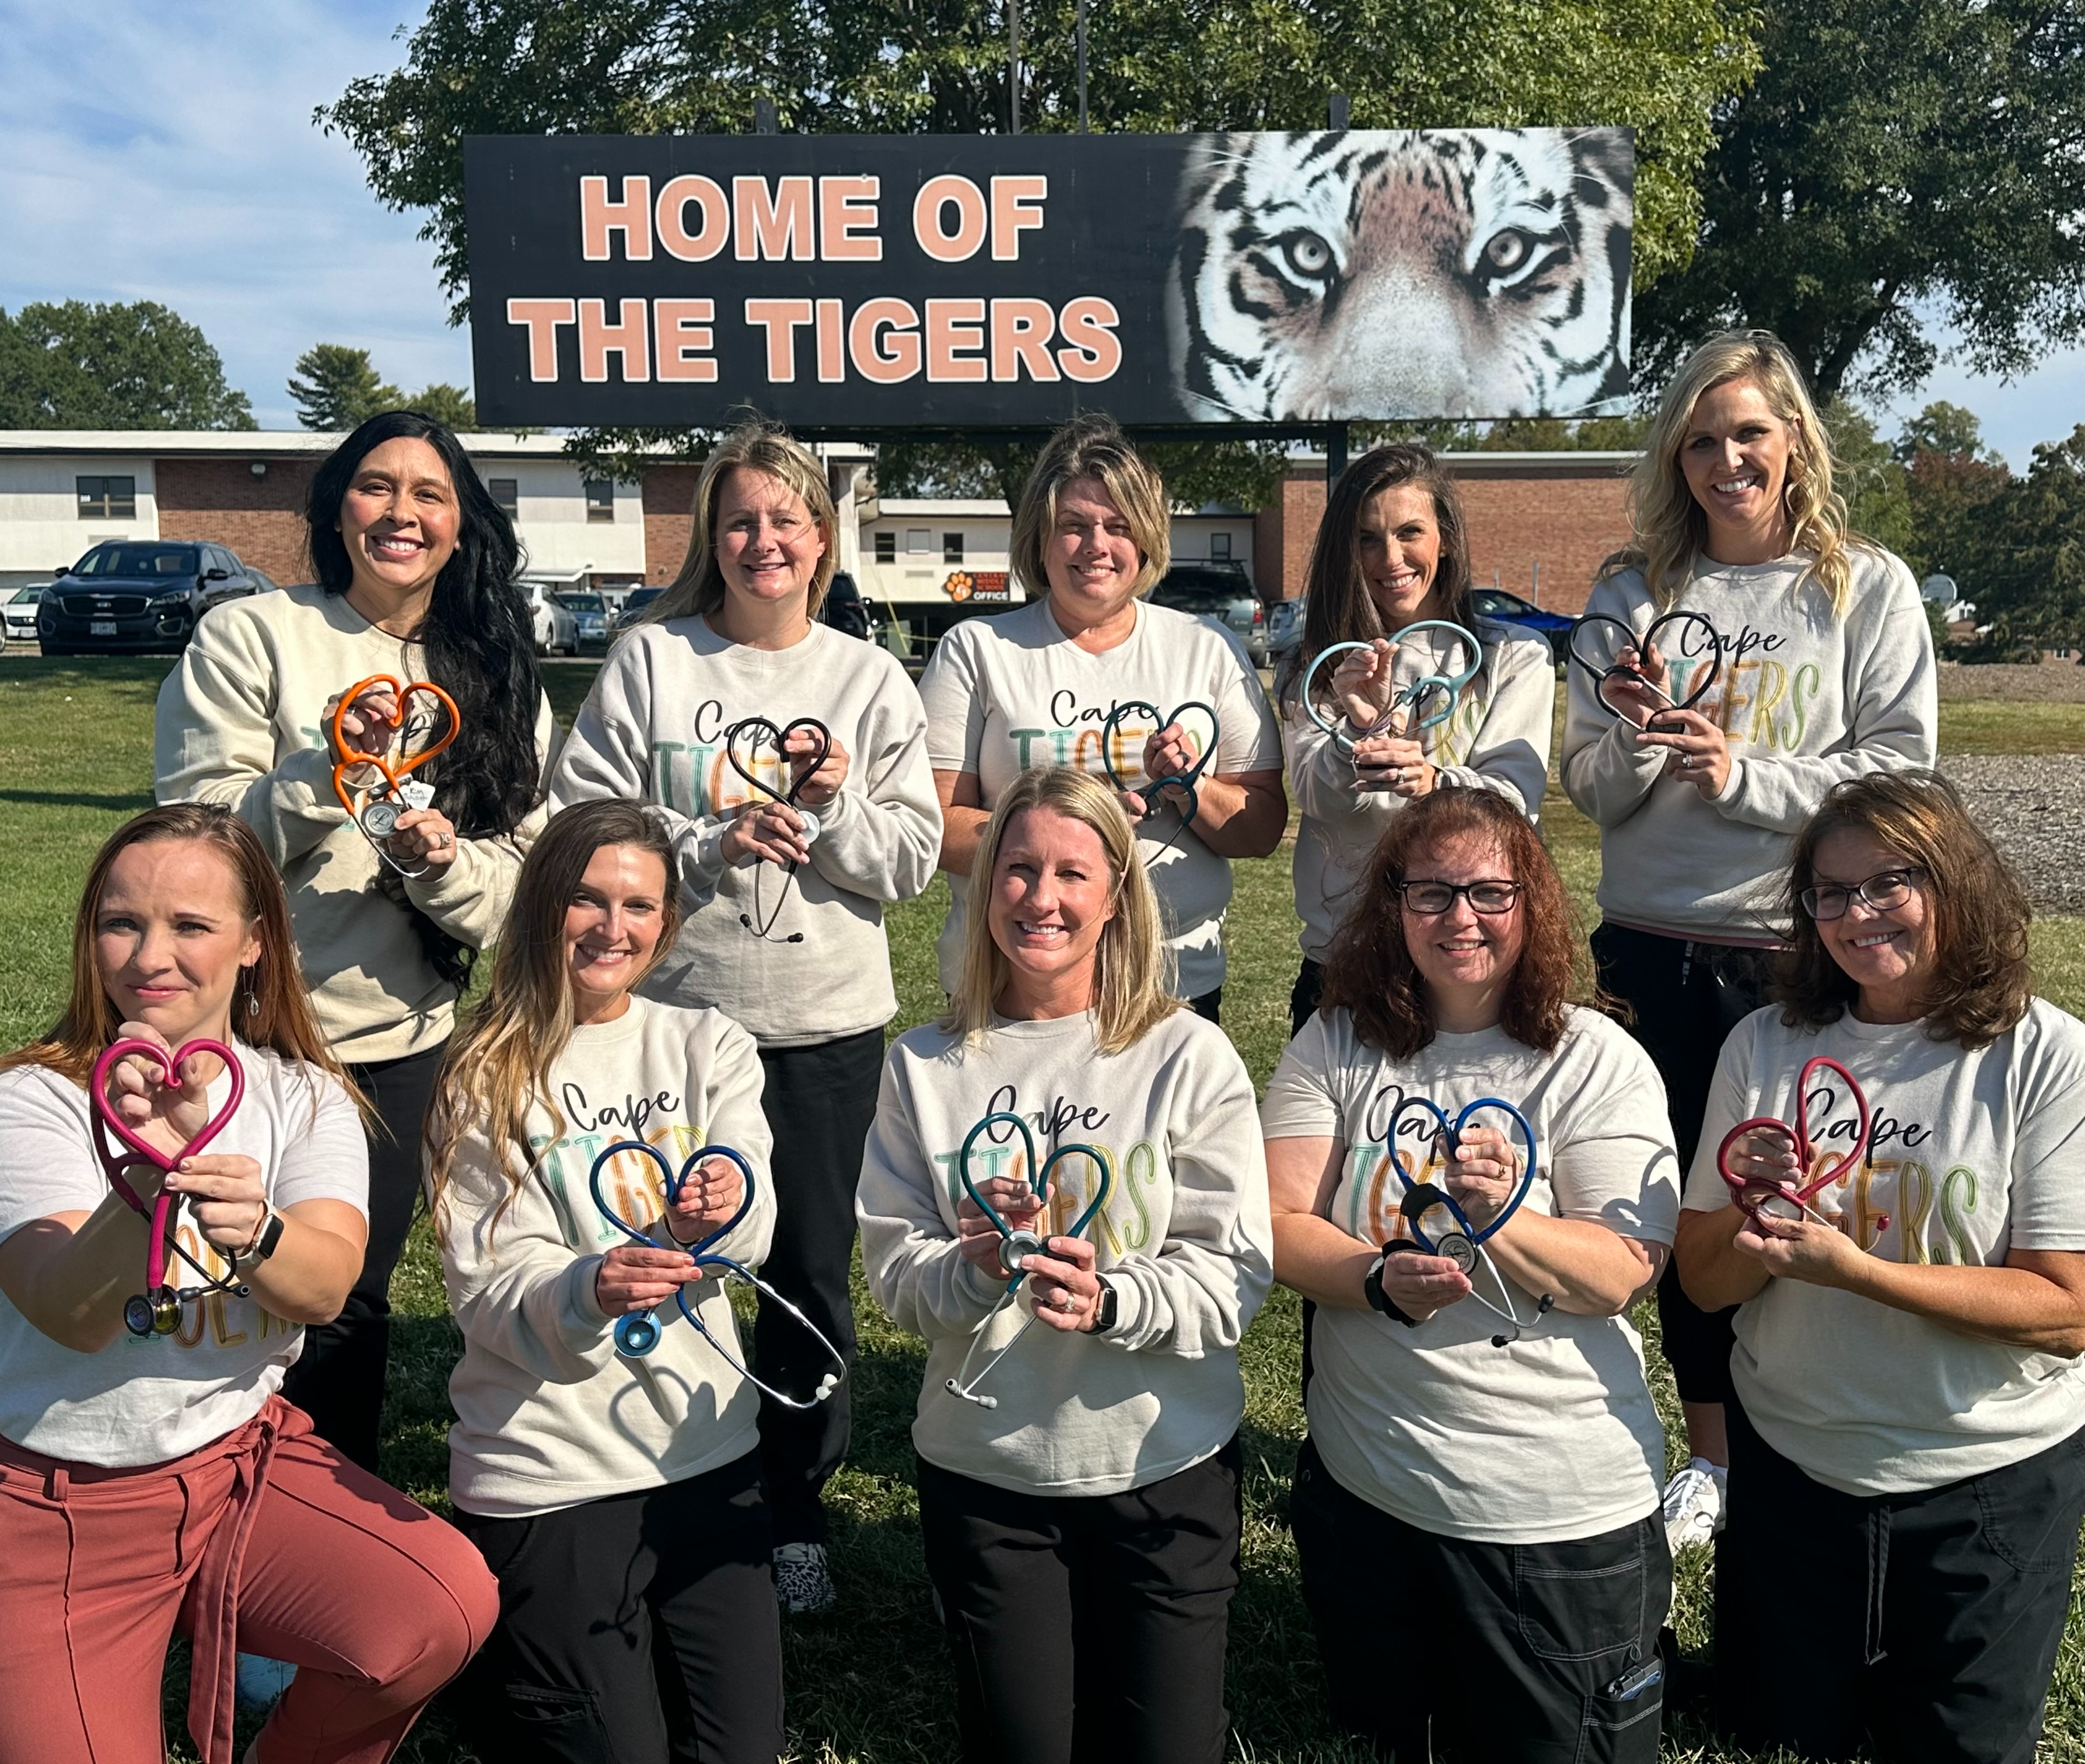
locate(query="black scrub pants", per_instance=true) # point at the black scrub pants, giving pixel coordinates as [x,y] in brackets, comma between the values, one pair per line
[1087,1629]
[819,1101]
[1924,1626]
[338,1378]
[1304,996]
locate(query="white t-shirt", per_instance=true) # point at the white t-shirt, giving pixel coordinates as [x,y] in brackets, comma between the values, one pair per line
[1974,1153]
[1011,691]
[1551,1437]
[145,1401]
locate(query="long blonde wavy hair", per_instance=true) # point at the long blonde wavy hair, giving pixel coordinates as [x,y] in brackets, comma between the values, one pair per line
[756,447]
[1132,967]
[1669,530]
[498,1065]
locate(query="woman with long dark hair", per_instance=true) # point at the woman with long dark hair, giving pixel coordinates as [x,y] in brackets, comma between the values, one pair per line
[152,1480]
[414,564]
[1393,551]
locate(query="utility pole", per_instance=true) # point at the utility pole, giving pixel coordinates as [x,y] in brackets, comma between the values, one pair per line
[1013,61]
[1079,29]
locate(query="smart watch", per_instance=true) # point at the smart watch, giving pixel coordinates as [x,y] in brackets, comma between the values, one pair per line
[1106,1307]
[1372,1283]
[266,1238]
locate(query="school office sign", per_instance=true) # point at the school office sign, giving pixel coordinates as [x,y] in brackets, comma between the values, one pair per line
[978,281]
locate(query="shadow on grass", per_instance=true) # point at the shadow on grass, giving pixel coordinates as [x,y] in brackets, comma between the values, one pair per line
[62,799]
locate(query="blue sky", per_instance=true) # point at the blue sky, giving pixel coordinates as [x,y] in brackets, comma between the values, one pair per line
[167,152]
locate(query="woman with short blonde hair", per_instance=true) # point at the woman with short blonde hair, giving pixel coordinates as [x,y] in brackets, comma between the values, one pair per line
[1075,678]
[1757,653]
[1068,1146]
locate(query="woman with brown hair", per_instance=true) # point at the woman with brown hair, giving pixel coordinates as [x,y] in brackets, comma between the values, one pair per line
[1484,1455]
[150,1482]
[1393,551]
[783,898]
[617,1498]
[1908,1409]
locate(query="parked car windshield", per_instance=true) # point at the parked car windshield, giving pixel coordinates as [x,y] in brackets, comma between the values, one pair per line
[23,596]
[581,603]
[1495,603]
[138,560]
[639,599]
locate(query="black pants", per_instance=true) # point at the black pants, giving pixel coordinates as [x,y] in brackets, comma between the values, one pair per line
[1686,999]
[1925,1624]
[634,1629]
[1304,996]
[1520,1653]
[819,1102]
[1087,1627]
[338,1379]
[1209,1005]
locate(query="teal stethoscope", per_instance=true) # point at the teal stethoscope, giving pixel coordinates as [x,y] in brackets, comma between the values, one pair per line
[1186,781]
[1440,1226]
[637,1333]
[1015,1247]
[1428,702]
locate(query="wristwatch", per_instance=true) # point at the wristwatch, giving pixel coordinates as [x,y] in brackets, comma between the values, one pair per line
[1106,1307]
[1372,1284]
[265,1238]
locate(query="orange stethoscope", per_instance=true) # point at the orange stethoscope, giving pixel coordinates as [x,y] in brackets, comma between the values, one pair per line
[375,807]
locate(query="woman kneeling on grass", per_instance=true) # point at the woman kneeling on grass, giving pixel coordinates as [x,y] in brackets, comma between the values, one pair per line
[1080,1501]
[1476,1506]
[614,1496]
[1906,1435]
[163,1482]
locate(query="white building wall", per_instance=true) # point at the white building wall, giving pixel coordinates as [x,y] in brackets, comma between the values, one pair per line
[561,542]
[40,527]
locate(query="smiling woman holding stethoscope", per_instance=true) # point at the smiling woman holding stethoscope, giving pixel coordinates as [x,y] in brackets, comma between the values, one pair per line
[1078,1481]
[1797,655]
[1392,552]
[1076,678]
[786,860]
[1908,1425]
[1478,1498]
[415,565]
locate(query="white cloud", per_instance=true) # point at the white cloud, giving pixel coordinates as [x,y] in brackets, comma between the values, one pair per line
[167,153]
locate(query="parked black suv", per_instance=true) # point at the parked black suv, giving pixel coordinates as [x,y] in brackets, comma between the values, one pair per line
[138,593]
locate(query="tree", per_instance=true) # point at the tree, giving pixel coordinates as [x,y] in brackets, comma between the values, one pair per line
[1952,479]
[1891,164]
[452,405]
[1945,429]
[2030,580]
[138,366]
[1869,477]
[339,389]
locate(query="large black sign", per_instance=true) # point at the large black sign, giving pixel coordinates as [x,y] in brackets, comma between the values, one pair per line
[981,281]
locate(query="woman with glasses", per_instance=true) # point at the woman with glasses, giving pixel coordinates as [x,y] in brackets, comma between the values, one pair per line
[1908,1393]
[1484,1464]
[1808,659]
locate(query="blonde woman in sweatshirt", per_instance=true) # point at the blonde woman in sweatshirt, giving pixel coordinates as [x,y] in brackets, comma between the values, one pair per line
[1827,673]
[783,930]
[1077,1427]
[415,567]
[615,1498]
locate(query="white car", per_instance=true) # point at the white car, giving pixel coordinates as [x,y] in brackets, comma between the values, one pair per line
[20,610]
[557,631]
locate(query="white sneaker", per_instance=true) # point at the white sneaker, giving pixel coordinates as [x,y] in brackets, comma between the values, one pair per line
[258,1682]
[803,1582]
[1694,1505]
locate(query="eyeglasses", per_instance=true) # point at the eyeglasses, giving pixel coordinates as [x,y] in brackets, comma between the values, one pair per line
[1883,890]
[1429,900]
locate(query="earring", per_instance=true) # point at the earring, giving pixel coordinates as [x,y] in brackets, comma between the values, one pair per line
[250,985]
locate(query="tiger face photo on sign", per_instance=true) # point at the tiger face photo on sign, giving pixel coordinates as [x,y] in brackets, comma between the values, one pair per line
[1464,273]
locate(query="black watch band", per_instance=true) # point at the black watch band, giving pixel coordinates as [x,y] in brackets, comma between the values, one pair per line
[1106,1307]
[1372,1286]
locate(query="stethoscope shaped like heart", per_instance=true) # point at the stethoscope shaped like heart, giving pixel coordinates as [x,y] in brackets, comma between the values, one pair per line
[1436,690]
[1017,1246]
[157,1310]
[754,733]
[637,1332]
[1791,1199]
[375,810]
[1586,652]
[1110,731]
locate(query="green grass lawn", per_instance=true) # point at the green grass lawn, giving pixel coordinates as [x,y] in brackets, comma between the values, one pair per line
[869,1682]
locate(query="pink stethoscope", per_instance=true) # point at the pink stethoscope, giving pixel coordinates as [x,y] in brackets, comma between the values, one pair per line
[1791,1199]
[157,1310]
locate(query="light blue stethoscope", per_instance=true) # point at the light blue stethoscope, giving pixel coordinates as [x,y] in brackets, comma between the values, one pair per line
[1428,702]
[1016,1246]
[637,1333]
[1463,1241]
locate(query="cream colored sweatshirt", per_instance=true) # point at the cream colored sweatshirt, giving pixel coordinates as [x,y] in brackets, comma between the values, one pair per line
[238,724]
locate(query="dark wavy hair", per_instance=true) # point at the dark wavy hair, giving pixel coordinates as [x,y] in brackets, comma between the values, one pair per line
[1369,968]
[1340,609]
[1980,982]
[479,642]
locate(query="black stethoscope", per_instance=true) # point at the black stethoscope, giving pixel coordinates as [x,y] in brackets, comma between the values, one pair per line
[1587,634]
[760,924]
[637,1332]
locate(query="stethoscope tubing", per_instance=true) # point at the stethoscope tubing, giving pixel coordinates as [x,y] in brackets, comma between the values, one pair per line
[1750,1192]
[1445,686]
[1152,789]
[1600,673]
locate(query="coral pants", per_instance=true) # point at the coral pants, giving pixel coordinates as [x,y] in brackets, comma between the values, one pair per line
[267,1540]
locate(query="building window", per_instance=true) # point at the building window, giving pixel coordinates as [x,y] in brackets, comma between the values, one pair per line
[917,539]
[1220,545]
[600,499]
[886,548]
[108,499]
[952,548]
[507,492]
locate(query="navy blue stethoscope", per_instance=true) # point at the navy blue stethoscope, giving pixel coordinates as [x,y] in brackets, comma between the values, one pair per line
[1016,1246]
[764,732]
[1440,1226]
[637,1332]
[1153,803]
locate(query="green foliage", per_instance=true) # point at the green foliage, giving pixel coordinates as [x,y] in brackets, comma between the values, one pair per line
[1892,164]
[335,388]
[1936,622]
[138,366]
[1947,430]
[452,405]
[1870,478]
[2028,579]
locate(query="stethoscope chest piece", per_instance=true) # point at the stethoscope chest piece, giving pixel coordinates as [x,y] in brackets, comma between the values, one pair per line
[636,1335]
[810,824]
[1016,1247]
[156,1312]
[379,820]
[1457,1249]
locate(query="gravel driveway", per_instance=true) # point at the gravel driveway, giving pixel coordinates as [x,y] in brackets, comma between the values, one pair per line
[2033,808]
